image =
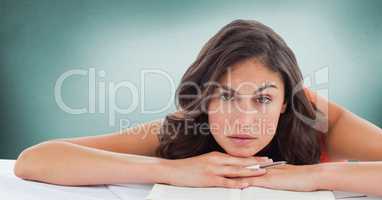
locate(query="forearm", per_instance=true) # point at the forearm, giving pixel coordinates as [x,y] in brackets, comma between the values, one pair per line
[361,177]
[65,163]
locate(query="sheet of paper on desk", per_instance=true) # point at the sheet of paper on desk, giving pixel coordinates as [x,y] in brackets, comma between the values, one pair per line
[162,192]
[345,195]
[130,191]
[265,194]
[18,189]
[169,192]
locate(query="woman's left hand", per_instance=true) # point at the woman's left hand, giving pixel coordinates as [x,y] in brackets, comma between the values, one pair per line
[288,177]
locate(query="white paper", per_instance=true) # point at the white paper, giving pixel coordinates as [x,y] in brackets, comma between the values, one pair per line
[265,194]
[344,195]
[130,191]
[168,192]
[14,188]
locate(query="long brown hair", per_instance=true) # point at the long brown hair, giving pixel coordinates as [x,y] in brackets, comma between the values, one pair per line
[295,141]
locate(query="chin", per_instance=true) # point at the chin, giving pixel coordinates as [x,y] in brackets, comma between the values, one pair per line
[241,152]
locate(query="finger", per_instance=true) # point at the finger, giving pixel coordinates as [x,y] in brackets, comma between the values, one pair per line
[260,181]
[238,171]
[230,183]
[262,158]
[270,159]
[231,160]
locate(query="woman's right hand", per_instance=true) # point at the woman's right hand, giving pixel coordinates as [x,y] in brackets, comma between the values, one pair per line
[214,169]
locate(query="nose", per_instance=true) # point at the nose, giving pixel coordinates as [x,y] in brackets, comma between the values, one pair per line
[247,116]
[246,105]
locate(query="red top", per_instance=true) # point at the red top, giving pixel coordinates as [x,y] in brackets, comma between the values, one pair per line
[324,157]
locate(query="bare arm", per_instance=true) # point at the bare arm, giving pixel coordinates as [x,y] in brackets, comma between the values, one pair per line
[360,177]
[109,158]
[127,158]
[349,137]
[354,138]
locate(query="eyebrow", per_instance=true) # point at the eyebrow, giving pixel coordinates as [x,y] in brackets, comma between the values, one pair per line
[260,89]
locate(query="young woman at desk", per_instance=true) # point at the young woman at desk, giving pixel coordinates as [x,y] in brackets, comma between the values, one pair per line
[241,102]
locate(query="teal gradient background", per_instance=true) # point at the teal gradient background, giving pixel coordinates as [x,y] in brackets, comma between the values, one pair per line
[40,40]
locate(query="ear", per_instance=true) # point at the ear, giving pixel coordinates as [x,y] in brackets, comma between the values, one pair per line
[283,108]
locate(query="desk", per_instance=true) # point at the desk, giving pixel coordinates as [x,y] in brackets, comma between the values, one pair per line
[14,188]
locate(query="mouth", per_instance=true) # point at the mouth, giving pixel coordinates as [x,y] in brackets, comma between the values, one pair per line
[242,139]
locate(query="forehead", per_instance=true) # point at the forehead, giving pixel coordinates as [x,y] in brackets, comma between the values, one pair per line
[249,74]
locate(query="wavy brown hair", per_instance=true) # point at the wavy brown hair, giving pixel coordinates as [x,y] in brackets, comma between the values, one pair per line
[296,140]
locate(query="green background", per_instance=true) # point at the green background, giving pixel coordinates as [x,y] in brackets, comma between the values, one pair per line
[40,40]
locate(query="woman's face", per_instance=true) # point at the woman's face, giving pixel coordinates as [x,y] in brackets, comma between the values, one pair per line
[245,108]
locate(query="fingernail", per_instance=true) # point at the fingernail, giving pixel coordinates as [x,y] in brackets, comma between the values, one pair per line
[262,170]
[254,167]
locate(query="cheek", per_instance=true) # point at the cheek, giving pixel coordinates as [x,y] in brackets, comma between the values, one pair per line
[217,119]
[268,122]
[216,122]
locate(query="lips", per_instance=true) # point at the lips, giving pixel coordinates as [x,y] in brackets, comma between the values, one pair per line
[242,136]
[242,139]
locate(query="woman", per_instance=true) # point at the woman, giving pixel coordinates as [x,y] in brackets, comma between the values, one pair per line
[241,103]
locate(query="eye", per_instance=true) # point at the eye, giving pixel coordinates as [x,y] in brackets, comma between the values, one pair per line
[225,96]
[263,100]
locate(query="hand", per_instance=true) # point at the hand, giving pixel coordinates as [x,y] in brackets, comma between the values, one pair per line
[288,177]
[213,169]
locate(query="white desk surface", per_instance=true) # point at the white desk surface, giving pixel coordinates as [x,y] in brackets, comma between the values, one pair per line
[14,188]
